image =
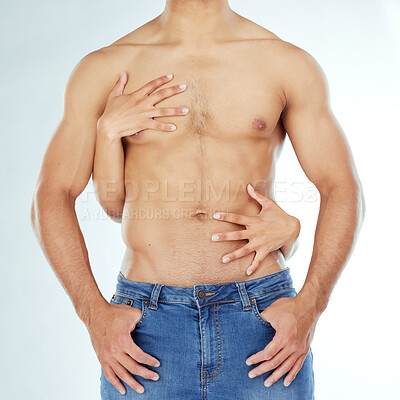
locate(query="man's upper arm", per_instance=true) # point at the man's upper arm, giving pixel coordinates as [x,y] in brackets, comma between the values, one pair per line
[316,136]
[68,161]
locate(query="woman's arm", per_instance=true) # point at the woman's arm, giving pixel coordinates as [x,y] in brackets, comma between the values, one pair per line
[125,115]
[108,174]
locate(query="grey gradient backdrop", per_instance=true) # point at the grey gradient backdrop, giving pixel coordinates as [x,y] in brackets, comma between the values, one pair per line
[45,349]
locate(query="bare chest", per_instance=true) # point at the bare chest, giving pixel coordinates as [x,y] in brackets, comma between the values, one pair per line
[227,96]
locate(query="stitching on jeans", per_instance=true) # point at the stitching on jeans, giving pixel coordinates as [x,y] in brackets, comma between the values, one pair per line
[219,363]
[203,381]
[144,313]
[241,289]
[122,300]
[273,291]
[245,296]
[154,298]
[157,294]
[191,302]
[204,385]
[257,314]
[247,280]
[240,292]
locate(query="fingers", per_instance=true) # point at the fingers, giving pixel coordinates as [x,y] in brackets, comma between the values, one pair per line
[166,111]
[159,126]
[119,86]
[162,112]
[243,251]
[151,86]
[281,370]
[140,356]
[294,370]
[136,369]
[270,364]
[235,218]
[235,235]
[263,200]
[162,94]
[123,374]
[113,379]
[273,347]
[258,258]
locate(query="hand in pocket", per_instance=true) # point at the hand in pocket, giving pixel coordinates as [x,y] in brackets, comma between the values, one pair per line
[119,356]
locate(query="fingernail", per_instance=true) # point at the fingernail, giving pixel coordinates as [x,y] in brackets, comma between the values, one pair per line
[183,86]
[287,383]
[217,216]
[225,259]
[122,392]
[140,390]
[172,127]
[252,374]
[249,272]
[185,110]
[214,237]
[158,364]
[251,187]
[169,76]
[267,384]
[248,362]
[155,378]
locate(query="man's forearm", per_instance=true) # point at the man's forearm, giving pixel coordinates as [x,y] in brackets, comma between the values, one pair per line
[56,226]
[340,218]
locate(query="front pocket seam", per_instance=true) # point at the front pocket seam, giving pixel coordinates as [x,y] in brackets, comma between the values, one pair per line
[143,314]
[258,314]
[273,291]
[131,303]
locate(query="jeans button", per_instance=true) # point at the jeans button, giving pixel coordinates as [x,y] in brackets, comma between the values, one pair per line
[201,294]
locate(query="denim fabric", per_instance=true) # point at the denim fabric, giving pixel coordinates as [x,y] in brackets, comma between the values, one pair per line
[203,335]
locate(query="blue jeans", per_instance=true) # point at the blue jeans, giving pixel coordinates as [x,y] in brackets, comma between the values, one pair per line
[202,336]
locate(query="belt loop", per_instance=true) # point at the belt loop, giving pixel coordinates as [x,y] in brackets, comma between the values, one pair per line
[154,296]
[243,295]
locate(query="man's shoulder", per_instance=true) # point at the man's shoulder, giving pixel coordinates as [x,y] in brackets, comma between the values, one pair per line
[293,65]
[96,72]
[284,55]
[108,58]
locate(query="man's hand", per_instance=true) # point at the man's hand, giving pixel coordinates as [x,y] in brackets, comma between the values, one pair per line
[294,322]
[110,334]
[270,230]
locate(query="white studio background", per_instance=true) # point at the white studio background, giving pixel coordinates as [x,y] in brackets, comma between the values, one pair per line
[45,350]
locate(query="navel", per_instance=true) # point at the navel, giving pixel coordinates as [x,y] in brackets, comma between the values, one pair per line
[259,124]
[200,215]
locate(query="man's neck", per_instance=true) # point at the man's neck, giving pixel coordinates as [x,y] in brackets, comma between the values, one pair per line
[196,23]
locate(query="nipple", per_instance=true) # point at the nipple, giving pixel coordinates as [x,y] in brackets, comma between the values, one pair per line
[259,124]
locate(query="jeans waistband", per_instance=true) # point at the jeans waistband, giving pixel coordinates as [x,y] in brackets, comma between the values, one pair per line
[202,294]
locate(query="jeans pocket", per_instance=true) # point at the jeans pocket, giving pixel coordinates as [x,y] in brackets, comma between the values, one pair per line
[257,311]
[260,303]
[141,304]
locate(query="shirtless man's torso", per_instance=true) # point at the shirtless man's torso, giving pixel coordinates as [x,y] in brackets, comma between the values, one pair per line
[245,90]
[231,136]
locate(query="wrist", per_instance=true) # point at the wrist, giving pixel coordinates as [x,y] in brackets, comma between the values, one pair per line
[106,134]
[313,301]
[294,227]
[92,310]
